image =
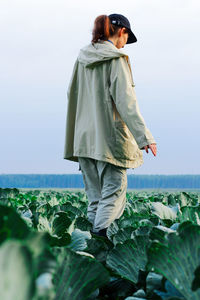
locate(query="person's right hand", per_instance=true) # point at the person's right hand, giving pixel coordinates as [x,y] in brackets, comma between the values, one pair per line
[152,147]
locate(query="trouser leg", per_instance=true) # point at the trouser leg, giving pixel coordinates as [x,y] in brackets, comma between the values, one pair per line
[92,185]
[113,184]
[105,186]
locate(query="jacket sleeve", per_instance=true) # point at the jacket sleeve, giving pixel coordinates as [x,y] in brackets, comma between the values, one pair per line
[73,78]
[122,91]
[71,111]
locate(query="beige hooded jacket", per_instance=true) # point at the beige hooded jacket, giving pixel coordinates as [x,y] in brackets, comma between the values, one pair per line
[103,118]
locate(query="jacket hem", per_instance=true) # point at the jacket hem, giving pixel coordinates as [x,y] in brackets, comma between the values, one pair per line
[123,163]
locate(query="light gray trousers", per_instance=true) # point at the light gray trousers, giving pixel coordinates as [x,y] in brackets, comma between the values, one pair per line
[105,187]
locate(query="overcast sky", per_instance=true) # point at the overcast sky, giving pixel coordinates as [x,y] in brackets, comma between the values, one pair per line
[39,43]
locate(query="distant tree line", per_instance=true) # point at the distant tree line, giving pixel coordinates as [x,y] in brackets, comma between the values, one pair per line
[76,181]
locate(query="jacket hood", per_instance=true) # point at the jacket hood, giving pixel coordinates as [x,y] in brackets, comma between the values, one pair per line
[99,52]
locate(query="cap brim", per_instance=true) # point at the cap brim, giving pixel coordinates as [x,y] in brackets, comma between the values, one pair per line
[131,38]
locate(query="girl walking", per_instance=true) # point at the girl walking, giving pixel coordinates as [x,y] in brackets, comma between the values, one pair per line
[105,131]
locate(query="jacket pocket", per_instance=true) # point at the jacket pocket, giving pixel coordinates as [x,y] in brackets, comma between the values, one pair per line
[123,143]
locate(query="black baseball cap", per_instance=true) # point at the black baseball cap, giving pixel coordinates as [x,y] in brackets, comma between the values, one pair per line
[121,21]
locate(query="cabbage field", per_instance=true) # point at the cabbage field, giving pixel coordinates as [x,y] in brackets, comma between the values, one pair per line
[48,252]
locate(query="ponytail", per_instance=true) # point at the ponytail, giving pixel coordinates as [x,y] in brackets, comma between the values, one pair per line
[103,28]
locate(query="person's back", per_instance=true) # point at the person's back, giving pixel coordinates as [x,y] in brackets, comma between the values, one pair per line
[104,127]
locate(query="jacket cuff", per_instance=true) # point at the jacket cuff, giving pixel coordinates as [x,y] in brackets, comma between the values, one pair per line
[142,144]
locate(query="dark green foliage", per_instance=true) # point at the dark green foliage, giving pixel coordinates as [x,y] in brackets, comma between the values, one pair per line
[11,224]
[152,251]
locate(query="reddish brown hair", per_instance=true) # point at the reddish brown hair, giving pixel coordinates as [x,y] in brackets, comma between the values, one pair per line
[103,28]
